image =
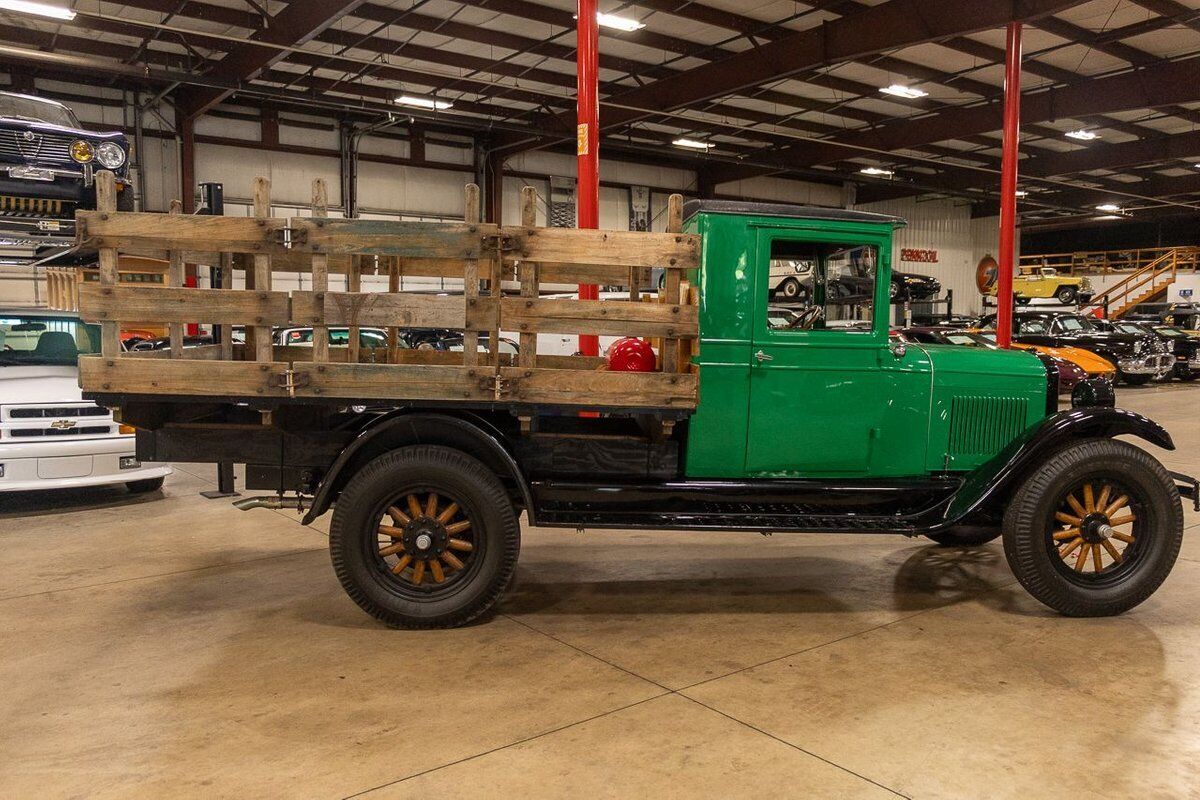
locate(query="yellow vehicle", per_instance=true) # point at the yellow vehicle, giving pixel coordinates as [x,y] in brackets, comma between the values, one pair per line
[1089,362]
[1045,282]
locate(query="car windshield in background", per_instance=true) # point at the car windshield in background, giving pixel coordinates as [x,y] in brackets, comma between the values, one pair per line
[1128,327]
[1172,333]
[1073,324]
[15,106]
[45,341]
[1032,326]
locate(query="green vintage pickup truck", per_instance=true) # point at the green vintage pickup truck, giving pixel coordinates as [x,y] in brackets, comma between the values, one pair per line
[808,419]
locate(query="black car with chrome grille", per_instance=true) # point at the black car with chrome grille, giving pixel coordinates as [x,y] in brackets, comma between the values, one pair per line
[47,162]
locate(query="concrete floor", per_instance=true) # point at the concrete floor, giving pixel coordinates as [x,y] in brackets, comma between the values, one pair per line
[170,646]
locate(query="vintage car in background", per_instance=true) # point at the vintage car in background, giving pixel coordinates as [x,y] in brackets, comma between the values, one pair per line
[1046,283]
[48,160]
[1185,348]
[1182,315]
[1086,360]
[1140,357]
[850,278]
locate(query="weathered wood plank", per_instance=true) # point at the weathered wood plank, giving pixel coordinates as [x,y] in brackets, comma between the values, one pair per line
[175,278]
[163,304]
[608,248]
[472,211]
[207,352]
[399,310]
[602,389]
[181,377]
[389,238]
[128,230]
[671,284]
[529,276]
[601,317]
[393,382]
[106,202]
[262,268]
[320,277]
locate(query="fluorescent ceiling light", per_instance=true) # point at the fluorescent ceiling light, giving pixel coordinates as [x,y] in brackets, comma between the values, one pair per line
[1082,135]
[886,173]
[692,143]
[1109,216]
[1109,208]
[616,23]
[1022,193]
[907,92]
[416,102]
[41,9]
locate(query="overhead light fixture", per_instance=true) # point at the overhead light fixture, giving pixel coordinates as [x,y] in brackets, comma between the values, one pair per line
[1109,208]
[416,102]
[1109,216]
[882,173]
[694,144]
[616,23]
[40,9]
[1082,135]
[907,92]
[1022,193]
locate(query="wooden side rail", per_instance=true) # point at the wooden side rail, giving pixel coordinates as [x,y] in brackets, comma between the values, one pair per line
[481,254]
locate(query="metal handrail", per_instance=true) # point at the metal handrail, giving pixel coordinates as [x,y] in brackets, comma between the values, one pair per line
[1147,274]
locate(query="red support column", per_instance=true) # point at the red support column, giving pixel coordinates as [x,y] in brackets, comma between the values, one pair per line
[1008,184]
[588,147]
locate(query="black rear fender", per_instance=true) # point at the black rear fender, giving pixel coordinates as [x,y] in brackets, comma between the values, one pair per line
[985,490]
[470,433]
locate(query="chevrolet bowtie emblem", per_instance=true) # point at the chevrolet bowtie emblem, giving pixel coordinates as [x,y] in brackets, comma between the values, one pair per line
[63,424]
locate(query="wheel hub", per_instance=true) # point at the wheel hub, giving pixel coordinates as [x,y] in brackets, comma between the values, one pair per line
[425,538]
[1095,528]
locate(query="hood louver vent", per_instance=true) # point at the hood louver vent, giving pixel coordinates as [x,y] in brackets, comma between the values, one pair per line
[984,425]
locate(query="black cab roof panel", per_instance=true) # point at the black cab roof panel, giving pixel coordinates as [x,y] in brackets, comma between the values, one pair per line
[744,208]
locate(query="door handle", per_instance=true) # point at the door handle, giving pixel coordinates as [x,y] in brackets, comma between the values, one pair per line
[760,357]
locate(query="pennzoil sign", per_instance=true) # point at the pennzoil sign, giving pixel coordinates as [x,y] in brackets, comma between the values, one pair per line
[920,256]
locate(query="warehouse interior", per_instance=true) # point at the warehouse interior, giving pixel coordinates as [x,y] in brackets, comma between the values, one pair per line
[158,640]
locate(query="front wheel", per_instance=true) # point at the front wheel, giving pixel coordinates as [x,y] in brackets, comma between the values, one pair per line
[424,537]
[1066,295]
[1095,530]
[1135,380]
[145,486]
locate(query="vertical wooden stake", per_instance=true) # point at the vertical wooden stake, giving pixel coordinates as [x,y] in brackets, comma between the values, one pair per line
[471,215]
[393,268]
[671,284]
[263,351]
[106,203]
[175,275]
[354,284]
[529,275]
[320,276]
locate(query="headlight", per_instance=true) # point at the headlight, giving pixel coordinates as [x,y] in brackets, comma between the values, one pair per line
[110,154]
[82,151]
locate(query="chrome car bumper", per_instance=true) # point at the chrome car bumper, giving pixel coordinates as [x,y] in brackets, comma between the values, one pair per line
[1155,364]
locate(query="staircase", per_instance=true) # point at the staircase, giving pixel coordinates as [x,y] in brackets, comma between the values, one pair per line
[1146,284]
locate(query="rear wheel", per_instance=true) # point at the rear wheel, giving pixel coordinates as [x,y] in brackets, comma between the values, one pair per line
[790,288]
[424,537]
[1095,530]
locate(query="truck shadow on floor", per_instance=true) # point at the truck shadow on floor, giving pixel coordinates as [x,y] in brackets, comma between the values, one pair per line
[60,501]
[927,578]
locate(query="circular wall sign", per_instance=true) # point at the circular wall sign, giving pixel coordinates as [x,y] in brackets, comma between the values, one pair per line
[986,273]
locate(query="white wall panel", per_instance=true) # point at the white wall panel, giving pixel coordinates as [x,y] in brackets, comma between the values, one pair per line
[413,190]
[291,174]
[308,137]
[782,190]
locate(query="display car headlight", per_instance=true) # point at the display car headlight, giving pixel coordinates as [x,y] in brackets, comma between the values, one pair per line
[110,155]
[82,151]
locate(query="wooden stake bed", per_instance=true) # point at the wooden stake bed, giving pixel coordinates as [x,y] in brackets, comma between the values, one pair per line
[482,254]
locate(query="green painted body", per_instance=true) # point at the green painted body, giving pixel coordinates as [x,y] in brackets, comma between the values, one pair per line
[836,403]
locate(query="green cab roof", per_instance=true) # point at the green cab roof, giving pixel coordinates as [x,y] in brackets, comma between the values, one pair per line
[743,208]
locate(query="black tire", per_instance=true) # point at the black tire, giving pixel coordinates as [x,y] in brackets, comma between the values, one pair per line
[1188,376]
[1067,295]
[1153,509]
[409,602]
[791,289]
[1135,380]
[146,486]
[966,536]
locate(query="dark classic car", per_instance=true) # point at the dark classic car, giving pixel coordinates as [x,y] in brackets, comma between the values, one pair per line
[1185,315]
[1140,357]
[1072,380]
[48,161]
[850,277]
[1185,348]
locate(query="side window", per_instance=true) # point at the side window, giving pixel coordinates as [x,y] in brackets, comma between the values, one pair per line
[821,285]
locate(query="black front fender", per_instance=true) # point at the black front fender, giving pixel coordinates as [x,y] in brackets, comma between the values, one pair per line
[985,487]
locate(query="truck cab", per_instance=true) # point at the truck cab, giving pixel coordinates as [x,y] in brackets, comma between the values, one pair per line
[826,393]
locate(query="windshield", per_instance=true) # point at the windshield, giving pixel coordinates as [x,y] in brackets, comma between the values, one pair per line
[1128,327]
[15,106]
[1172,333]
[42,341]
[1073,324]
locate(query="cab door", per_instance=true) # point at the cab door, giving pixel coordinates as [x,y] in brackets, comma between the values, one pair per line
[829,394]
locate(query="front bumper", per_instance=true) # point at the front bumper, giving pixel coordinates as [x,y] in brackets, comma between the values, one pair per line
[29,466]
[1157,364]
[1188,487]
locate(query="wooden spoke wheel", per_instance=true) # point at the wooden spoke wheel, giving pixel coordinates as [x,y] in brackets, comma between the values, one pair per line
[425,540]
[1095,533]
[1094,529]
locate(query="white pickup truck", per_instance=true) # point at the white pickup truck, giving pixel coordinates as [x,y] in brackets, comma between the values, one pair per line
[50,438]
